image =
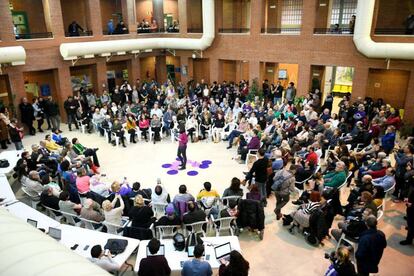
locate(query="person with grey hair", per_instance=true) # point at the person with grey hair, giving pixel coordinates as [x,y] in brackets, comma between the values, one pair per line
[33,183]
[283,186]
[91,211]
[371,245]
[337,177]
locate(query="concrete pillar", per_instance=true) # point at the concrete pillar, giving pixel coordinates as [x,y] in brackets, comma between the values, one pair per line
[219,14]
[53,18]
[215,70]
[256,17]
[182,16]
[185,63]
[62,80]
[359,84]
[409,102]
[158,11]
[302,87]
[94,14]
[254,70]
[129,15]
[101,78]
[134,69]
[161,69]
[308,17]
[6,23]
[17,90]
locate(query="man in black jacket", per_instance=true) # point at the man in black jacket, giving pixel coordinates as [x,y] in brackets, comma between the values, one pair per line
[52,113]
[154,265]
[259,172]
[371,245]
[27,113]
[71,106]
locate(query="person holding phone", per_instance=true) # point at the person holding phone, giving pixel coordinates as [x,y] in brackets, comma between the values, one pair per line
[182,147]
[103,259]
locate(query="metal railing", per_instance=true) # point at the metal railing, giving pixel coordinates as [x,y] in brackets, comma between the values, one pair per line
[84,33]
[280,30]
[141,30]
[234,30]
[336,31]
[392,31]
[105,32]
[194,30]
[34,35]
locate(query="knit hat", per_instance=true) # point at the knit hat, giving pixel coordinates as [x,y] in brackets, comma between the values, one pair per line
[169,210]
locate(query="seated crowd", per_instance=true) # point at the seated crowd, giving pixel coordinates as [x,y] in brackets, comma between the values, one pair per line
[298,146]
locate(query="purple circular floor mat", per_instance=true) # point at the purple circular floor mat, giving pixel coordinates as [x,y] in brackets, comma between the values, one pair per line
[204,166]
[208,162]
[192,173]
[166,166]
[172,172]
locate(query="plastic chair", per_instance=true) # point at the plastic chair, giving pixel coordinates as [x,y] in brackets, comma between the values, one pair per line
[167,231]
[196,228]
[113,228]
[352,242]
[70,218]
[223,224]
[159,209]
[230,127]
[52,213]
[224,201]
[33,197]
[89,224]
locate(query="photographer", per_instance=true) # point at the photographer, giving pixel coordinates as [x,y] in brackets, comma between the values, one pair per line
[340,263]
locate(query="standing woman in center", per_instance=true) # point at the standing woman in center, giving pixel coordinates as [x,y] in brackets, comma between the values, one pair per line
[182,147]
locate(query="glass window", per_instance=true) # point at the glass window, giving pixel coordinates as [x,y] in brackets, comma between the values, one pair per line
[342,11]
[292,13]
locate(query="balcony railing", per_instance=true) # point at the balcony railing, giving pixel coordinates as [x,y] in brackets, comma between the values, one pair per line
[394,31]
[280,30]
[234,30]
[335,31]
[34,35]
[84,33]
[194,30]
[141,30]
[105,32]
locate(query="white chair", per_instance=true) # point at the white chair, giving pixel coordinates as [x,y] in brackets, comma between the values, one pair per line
[380,210]
[352,242]
[349,146]
[33,197]
[230,127]
[152,133]
[89,224]
[70,218]
[251,153]
[159,209]
[53,213]
[113,228]
[196,228]
[127,135]
[359,147]
[346,181]
[223,224]
[224,201]
[167,231]
[116,138]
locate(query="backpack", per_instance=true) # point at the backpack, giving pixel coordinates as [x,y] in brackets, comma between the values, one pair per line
[116,246]
[4,163]
[192,240]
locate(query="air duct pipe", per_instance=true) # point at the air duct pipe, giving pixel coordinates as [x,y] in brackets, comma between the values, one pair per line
[27,251]
[15,55]
[370,48]
[71,51]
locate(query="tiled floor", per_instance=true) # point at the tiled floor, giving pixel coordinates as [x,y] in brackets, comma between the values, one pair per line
[280,253]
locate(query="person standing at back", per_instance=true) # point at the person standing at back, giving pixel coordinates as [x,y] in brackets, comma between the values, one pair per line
[259,172]
[290,93]
[371,245]
[197,266]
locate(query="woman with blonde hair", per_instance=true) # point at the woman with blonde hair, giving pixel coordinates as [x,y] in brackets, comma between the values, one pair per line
[141,215]
[341,264]
[113,215]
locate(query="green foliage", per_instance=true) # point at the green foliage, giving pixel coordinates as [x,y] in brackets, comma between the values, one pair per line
[255,91]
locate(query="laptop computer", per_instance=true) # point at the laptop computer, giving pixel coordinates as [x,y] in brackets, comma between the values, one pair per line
[55,233]
[223,251]
[161,251]
[32,222]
